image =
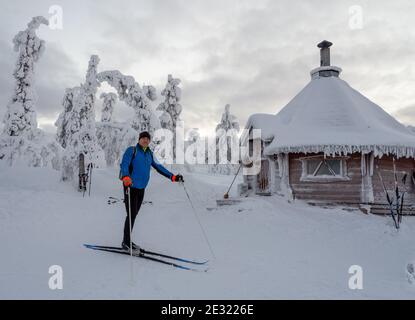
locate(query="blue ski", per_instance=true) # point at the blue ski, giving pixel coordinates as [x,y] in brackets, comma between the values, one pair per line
[152,253]
[141,255]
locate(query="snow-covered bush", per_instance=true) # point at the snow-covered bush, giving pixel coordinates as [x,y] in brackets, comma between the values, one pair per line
[33,149]
[21,140]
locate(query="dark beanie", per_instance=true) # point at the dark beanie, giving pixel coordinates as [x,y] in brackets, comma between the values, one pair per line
[144,134]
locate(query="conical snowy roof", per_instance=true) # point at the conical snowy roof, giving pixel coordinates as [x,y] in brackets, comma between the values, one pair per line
[330,116]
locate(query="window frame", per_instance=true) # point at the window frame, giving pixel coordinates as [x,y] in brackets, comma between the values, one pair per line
[306,176]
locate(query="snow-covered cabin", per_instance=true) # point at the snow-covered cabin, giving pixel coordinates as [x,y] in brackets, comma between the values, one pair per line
[327,144]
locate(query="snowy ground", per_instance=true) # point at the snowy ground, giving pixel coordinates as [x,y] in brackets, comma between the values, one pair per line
[265,248]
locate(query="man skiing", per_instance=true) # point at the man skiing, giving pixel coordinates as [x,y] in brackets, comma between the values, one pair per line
[135,174]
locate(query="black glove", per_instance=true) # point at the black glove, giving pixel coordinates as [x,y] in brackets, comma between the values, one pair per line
[179,178]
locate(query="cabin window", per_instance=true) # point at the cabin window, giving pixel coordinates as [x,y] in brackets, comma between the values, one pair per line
[320,168]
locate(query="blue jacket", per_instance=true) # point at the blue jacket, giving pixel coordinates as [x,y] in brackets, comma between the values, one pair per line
[141,165]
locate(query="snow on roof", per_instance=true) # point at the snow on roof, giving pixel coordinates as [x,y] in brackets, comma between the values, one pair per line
[330,116]
[264,121]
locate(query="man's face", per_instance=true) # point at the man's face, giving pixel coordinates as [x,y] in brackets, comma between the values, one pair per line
[144,142]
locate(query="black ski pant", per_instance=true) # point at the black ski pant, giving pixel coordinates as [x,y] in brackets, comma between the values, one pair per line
[137,196]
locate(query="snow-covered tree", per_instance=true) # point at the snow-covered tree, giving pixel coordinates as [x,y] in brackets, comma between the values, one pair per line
[171,108]
[228,121]
[136,97]
[21,114]
[145,118]
[62,124]
[21,140]
[227,141]
[81,136]
[110,99]
[194,150]
[109,134]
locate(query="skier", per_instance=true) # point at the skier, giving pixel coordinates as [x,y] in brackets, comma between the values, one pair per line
[135,174]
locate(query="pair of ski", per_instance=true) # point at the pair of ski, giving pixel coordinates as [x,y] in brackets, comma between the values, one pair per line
[151,255]
[113,200]
[85,176]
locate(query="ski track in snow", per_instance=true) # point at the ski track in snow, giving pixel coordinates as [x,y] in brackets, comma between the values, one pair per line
[265,247]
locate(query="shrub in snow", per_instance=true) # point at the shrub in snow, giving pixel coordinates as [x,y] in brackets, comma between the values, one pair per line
[80,128]
[21,140]
[34,149]
[171,108]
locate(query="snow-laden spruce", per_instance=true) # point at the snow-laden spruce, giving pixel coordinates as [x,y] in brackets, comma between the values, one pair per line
[81,132]
[110,99]
[64,123]
[109,133]
[171,108]
[21,140]
[227,143]
[110,136]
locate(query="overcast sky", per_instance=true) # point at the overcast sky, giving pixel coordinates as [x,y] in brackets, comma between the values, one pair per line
[255,55]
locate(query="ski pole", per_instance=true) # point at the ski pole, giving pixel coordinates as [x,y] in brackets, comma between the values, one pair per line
[397,195]
[198,220]
[84,181]
[402,196]
[90,180]
[129,217]
[226,196]
[131,241]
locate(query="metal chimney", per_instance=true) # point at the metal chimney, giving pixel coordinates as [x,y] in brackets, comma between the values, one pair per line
[324,53]
[325,69]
